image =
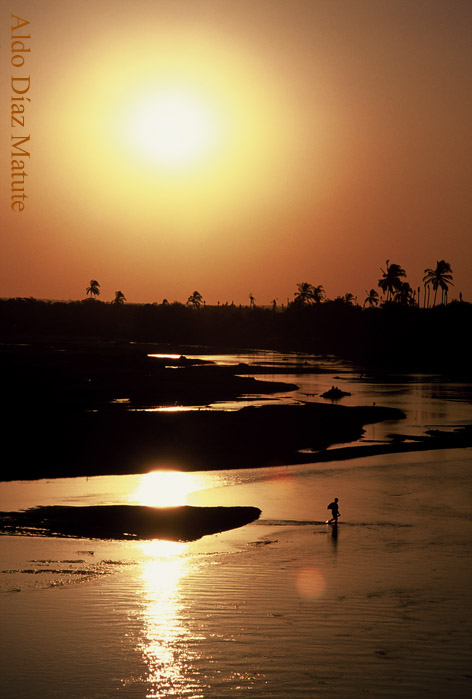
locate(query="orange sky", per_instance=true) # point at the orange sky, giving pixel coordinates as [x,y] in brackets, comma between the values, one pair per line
[329,136]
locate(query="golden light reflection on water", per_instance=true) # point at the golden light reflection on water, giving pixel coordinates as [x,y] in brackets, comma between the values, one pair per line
[167,488]
[165,643]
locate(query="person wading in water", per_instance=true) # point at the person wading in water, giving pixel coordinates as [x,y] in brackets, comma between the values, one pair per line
[334,507]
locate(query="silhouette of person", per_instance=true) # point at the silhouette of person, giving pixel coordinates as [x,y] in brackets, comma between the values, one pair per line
[334,507]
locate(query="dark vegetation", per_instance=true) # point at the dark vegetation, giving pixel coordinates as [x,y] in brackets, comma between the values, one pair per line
[386,338]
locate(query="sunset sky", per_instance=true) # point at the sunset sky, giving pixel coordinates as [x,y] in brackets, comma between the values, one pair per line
[236,146]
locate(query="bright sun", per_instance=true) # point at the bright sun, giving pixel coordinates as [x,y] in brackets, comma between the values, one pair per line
[173,129]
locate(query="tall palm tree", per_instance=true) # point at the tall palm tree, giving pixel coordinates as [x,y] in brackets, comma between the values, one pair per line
[391,279]
[308,294]
[440,277]
[119,299]
[195,300]
[252,300]
[372,298]
[318,294]
[93,289]
[426,294]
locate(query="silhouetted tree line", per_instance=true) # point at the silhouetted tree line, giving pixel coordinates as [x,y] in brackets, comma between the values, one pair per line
[390,336]
[392,283]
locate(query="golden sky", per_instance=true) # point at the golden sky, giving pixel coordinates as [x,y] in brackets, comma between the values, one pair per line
[234,146]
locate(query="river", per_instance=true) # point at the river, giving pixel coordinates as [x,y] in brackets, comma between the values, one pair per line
[284,607]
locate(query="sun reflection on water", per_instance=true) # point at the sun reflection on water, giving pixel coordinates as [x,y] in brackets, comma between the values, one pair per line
[167,488]
[166,640]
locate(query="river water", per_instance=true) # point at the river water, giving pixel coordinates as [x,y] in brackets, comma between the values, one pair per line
[284,607]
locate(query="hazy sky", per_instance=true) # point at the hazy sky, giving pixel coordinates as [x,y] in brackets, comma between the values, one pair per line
[234,146]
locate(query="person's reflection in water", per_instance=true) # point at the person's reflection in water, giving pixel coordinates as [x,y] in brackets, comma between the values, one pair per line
[334,535]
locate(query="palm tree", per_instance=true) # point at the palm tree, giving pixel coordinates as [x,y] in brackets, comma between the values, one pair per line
[93,289]
[318,294]
[119,299]
[304,295]
[308,294]
[404,295]
[391,279]
[426,294]
[372,298]
[252,300]
[440,277]
[195,300]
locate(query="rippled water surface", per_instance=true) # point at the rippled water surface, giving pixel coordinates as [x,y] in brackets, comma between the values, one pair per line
[286,606]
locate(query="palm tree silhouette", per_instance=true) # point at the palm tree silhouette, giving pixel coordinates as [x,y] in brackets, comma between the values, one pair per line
[372,298]
[252,300]
[391,279]
[308,294]
[404,295]
[440,277]
[195,300]
[93,289]
[119,299]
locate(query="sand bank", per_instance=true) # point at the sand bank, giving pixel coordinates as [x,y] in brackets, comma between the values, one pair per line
[126,521]
[61,444]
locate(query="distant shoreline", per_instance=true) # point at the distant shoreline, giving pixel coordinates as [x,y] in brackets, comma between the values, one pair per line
[390,338]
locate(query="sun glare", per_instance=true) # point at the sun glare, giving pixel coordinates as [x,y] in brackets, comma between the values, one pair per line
[166,488]
[187,137]
[173,128]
